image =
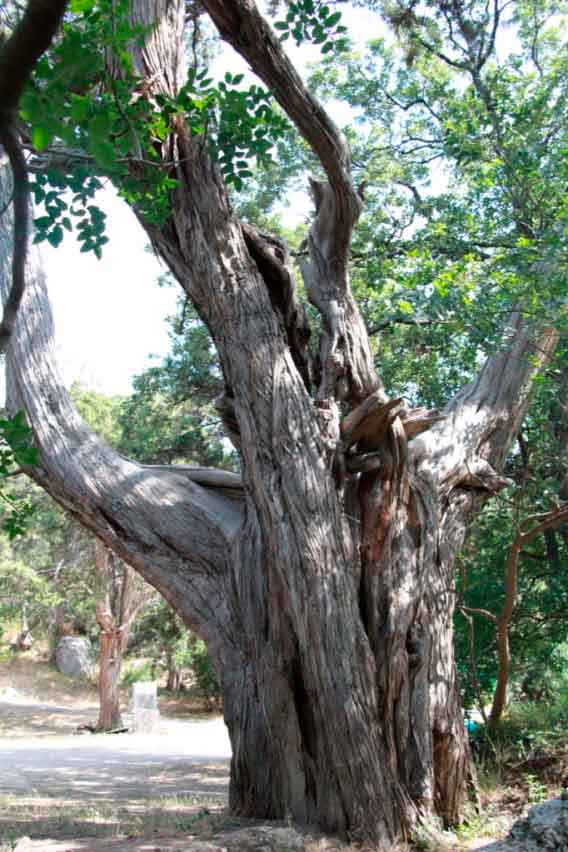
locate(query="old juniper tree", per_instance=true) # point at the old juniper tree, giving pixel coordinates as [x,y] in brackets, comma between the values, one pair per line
[322,577]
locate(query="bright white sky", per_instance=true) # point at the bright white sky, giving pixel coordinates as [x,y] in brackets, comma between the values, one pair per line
[110,314]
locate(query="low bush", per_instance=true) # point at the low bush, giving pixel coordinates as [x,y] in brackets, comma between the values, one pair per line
[136,671]
[526,726]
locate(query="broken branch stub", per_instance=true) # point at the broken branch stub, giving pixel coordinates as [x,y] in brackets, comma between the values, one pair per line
[419,420]
[370,420]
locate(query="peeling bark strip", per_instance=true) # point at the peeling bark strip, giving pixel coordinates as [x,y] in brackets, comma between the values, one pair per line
[322,580]
[273,260]
[10,141]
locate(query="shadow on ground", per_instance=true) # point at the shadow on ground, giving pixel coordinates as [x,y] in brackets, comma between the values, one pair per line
[94,773]
[60,819]
[36,720]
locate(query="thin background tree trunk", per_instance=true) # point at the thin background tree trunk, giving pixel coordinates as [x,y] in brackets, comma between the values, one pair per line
[110,666]
[542,523]
[115,613]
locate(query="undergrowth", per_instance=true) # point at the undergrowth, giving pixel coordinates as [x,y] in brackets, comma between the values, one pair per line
[528,732]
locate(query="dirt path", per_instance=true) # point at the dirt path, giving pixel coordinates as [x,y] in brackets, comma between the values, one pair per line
[59,786]
[183,758]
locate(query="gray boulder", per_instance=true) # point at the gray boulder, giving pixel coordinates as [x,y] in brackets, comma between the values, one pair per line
[74,656]
[544,828]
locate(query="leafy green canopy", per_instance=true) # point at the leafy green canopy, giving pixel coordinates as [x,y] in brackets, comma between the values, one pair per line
[86,105]
[466,167]
[15,452]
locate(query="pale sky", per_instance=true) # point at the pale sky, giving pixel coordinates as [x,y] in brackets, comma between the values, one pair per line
[110,313]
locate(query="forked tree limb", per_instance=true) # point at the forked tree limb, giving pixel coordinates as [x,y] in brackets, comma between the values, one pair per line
[241,25]
[347,370]
[118,500]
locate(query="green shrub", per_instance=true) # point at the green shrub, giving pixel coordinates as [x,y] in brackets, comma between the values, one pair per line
[526,726]
[192,653]
[137,671]
[161,635]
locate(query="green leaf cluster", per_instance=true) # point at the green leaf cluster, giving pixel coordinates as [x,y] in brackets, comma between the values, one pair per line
[85,96]
[52,189]
[247,128]
[314,21]
[15,451]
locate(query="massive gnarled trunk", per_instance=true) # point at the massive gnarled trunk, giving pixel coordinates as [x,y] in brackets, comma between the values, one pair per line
[322,580]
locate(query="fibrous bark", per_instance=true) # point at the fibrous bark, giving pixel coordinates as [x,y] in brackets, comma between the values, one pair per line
[322,578]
